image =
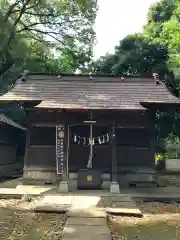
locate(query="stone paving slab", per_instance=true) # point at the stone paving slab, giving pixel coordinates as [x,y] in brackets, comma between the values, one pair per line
[50,208]
[57,199]
[33,188]
[125,211]
[94,237]
[87,221]
[87,232]
[84,202]
[9,193]
[87,213]
[54,203]
[21,190]
[121,205]
[118,198]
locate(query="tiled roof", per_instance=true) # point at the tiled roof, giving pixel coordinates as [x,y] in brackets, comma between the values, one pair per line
[80,91]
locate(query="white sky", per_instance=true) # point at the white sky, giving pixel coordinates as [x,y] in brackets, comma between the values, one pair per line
[116,19]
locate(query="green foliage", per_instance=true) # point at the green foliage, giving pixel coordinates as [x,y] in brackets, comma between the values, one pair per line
[172,147]
[134,56]
[30,30]
[156,49]
[159,156]
[43,36]
[163,28]
[161,11]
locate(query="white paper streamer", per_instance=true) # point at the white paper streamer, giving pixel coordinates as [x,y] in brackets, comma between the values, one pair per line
[107,135]
[83,140]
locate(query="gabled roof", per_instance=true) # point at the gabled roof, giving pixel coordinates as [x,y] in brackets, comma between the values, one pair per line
[9,121]
[72,91]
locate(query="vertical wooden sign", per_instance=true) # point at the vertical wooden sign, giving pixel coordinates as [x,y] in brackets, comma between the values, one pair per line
[60,148]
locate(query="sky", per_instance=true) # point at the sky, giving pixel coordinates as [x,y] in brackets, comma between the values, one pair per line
[116,19]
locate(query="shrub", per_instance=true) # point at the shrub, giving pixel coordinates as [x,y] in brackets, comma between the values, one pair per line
[172,147]
[160,164]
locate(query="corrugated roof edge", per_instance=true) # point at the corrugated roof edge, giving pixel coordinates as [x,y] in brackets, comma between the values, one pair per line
[9,121]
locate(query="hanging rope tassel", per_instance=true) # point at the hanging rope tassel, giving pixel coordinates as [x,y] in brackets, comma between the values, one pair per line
[79,140]
[103,141]
[107,137]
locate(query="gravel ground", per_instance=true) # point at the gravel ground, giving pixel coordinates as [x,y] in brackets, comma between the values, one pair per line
[23,225]
[160,221]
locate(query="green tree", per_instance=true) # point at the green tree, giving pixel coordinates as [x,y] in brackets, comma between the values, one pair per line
[55,24]
[163,28]
[32,31]
[134,56]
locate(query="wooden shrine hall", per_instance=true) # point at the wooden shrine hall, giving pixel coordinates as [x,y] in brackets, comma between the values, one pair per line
[94,130]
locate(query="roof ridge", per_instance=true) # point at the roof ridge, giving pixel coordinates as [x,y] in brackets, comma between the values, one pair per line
[84,74]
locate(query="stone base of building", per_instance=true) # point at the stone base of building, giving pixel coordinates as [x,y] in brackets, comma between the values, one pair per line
[40,176]
[170,179]
[63,187]
[114,188]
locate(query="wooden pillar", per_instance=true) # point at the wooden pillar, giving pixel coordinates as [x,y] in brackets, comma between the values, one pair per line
[66,153]
[152,129]
[113,144]
[114,187]
[27,147]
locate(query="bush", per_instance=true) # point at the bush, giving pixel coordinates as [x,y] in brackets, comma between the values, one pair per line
[172,147]
[160,163]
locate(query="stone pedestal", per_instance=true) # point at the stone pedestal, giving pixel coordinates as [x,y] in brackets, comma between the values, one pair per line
[114,188]
[63,187]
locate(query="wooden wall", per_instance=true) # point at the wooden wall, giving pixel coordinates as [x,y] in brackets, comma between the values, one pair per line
[10,162]
[8,144]
[41,147]
[134,130]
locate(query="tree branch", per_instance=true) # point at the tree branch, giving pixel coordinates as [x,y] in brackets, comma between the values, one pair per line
[34,5]
[10,10]
[32,36]
[26,27]
[16,22]
[41,14]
